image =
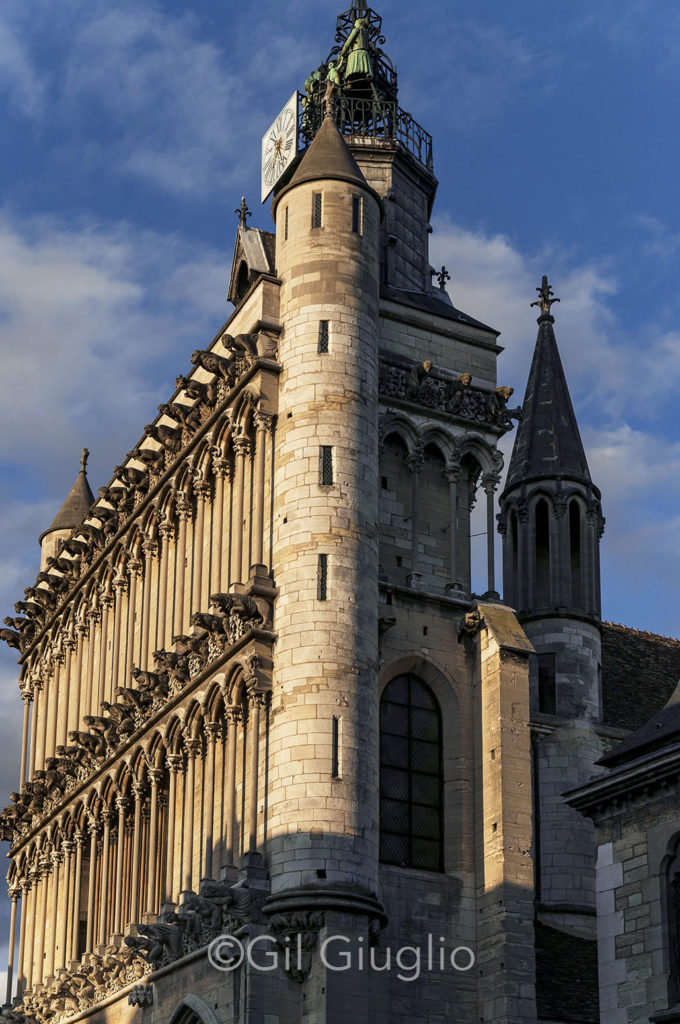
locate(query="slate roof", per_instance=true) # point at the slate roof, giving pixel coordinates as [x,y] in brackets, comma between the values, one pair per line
[548,443]
[328,156]
[434,302]
[639,674]
[566,977]
[77,502]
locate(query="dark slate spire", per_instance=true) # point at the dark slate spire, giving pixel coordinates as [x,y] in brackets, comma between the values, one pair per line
[78,500]
[548,442]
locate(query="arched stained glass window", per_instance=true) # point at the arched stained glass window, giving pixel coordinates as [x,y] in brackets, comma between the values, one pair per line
[410,775]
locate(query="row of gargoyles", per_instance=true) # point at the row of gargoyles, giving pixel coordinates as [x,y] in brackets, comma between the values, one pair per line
[81,988]
[217,907]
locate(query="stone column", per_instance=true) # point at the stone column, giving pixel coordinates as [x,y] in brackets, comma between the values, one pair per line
[174,763]
[212,730]
[46,708]
[221,470]
[490,483]
[106,601]
[14,893]
[415,464]
[155,778]
[233,716]
[167,532]
[27,697]
[61,957]
[55,698]
[93,617]
[262,423]
[75,898]
[451,474]
[150,550]
[590,562]
[24,956]
[134,569]
[56,858]
[75,710]
[193,748]
[241,448]
[256,703]
[95,829]
[37,702]
[202,492]
[184,514]
[104,883]
[138,790]
[120,586]
[122,805]
[39,947]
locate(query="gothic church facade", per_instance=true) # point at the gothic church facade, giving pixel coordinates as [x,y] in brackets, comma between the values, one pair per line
[264,710]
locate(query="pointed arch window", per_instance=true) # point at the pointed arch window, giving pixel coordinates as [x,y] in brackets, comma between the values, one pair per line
[410,775]
[542,538]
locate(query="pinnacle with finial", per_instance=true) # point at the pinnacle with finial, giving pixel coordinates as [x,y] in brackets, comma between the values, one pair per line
[83,460]
[243,213]
[442,277]
[545,296]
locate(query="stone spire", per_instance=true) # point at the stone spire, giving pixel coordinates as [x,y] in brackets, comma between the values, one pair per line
[78,501]
[548,443]
[328,157]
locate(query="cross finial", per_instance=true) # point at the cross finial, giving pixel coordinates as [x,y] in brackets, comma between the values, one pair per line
[545,296]
[83,460]
[243,212]
[442,277]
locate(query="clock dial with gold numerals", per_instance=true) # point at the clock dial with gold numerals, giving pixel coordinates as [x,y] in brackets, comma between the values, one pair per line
[279,145]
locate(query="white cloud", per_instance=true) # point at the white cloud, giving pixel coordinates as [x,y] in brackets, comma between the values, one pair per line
[85,312]
[19,76]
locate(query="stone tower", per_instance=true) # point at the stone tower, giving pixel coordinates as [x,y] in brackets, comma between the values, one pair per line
[551,522]
[77,502]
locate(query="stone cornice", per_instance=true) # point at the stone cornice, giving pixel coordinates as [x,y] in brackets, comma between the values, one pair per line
[622,786]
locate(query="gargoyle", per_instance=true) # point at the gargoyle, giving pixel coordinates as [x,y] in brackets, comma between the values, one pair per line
[211,623]
[75,754]
[496,407]
[195,644]
[240,605]
[456,392]
[120,716]
[133,478]
[93,743]
[203,392]
[137,699]
[104,727]
[44,598]
[152,459]
[213,363]
[175,665]
[153,683]
[168,437]
[188,415]
[155,941]
[11,638]
[415,378]
[30,608]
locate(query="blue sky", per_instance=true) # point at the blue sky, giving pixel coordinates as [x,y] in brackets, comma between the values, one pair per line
[131,129]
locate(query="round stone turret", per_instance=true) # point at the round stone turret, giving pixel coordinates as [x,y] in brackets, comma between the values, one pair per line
[78,500]
[323,784]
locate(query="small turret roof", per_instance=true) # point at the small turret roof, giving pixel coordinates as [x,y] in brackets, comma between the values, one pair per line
[548,443]
[328,157]
[78,500]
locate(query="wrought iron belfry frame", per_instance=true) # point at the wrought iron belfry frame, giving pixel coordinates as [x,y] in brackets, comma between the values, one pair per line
[367,109]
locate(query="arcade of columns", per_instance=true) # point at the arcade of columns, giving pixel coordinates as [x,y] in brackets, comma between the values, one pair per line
[107,832]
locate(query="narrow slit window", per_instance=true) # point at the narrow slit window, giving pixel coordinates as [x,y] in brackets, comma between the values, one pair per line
[316,210]
[326,465]
[323,336]
[547,688]
[336,763]
[322,578]
[285,225]
[357,213]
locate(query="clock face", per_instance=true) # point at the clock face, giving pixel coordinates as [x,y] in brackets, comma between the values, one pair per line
[279,145]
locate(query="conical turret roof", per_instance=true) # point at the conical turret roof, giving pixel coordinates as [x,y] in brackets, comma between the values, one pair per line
[548,443]
[328,157]
[78,500]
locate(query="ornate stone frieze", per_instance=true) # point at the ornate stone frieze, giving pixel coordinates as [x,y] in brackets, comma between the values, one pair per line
[423,384]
